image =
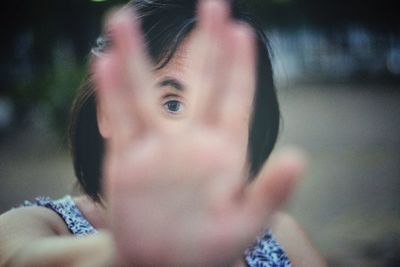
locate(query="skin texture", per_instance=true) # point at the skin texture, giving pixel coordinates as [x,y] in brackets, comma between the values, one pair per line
[204,177]
[175,182]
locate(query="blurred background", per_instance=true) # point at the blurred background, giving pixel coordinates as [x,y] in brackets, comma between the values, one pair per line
[337,68]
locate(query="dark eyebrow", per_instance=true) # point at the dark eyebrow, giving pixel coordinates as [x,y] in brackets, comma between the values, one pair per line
[172,82]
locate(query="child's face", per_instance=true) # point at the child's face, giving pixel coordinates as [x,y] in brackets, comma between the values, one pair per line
[175,98]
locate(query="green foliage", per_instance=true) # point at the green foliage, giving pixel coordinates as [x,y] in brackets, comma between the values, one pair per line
[52,92]
[62,84]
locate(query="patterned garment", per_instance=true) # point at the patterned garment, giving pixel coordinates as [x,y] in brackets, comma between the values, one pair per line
[265,252]
[68,211]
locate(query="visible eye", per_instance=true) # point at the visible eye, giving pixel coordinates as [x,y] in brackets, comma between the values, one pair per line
[174,106]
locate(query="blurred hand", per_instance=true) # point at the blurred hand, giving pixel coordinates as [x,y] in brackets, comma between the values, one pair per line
[180,198]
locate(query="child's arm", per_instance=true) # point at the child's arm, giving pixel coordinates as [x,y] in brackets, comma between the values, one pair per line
[31,237]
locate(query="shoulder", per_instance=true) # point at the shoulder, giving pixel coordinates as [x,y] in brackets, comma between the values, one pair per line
[294,240]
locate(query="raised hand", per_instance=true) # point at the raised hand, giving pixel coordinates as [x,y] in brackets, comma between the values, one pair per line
[178,196]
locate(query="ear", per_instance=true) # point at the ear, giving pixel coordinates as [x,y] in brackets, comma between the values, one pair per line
[103,121]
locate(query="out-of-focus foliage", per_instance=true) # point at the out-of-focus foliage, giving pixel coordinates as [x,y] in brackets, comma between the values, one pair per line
[33,73]
[51,92]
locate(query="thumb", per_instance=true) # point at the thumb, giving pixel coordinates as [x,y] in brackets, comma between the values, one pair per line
[273,185]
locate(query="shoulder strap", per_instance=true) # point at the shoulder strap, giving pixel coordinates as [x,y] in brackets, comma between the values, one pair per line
[68,211]
[266,252]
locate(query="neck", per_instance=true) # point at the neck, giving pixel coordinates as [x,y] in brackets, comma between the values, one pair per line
[93,211]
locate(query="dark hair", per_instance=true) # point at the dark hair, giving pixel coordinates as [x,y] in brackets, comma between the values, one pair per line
[165,23]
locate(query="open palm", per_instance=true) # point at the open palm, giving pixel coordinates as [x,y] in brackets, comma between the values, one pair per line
[180,198]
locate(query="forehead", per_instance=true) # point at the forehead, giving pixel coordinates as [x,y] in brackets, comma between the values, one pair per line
[178,65]
[183,66]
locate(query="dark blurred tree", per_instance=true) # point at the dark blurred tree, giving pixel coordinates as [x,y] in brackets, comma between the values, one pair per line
[29,73]
[33,29]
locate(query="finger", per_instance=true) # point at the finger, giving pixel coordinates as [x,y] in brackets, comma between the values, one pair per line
[114,106]
[208,48]
[271,188]
[129,49]
[238,94]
